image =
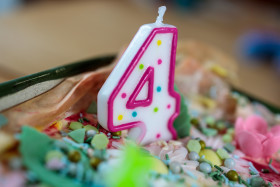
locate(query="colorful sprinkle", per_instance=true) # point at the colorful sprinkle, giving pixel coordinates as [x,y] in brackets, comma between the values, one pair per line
[100,141]
[158,89]
[193,146]
[120,117]
[123,95]
[159,61]
[155,109]
[134,114]
[159,42]
[141,66]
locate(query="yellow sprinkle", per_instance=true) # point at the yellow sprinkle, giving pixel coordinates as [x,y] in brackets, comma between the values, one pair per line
[159,42]
[207,102]
[120,117]
[158,165]
[220,71]
[211,156]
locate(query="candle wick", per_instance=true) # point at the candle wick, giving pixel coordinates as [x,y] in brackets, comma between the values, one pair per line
[161,11]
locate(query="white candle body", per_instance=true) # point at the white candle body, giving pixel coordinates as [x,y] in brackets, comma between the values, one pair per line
[139,95]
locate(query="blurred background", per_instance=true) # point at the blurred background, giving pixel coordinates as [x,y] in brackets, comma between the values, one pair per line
[39,34]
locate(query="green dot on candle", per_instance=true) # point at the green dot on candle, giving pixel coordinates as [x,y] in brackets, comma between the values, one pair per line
[141,66]
[155,109]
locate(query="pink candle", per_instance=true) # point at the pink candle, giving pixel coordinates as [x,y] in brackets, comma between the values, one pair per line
[139,93]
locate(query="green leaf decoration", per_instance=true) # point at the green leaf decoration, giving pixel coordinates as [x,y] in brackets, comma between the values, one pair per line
[182,123]
[78,135]
[33,147]
[92,109]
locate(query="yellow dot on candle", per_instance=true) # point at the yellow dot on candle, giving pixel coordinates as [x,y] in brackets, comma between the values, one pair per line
[120,117]
[159,42]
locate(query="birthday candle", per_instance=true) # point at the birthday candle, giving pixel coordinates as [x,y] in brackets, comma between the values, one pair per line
[139,93]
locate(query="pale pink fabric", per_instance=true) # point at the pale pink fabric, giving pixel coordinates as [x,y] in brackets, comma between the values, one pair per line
[255,139]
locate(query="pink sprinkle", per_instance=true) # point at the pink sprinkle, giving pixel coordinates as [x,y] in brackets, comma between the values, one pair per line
[168,106]
[123,95]
[159,61]
[158,135]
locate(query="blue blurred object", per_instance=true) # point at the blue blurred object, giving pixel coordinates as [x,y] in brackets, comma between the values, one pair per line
[9,5]
[277,62]
[262,46]
[188,4]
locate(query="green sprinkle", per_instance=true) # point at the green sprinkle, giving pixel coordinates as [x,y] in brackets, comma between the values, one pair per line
[75,125]
[265,171]
[270,161]
[100,141]
[220,125]
[227,138]
[81,120]
[239,180]
[166,156]
[218,168]
[210,121]
[194,145]
[244,182]
[116,137]
[88,140]
[229,147]
[230,131]
[269,184]
[252,173]
[213,173]
[223,154]
[209,131]
[86,119]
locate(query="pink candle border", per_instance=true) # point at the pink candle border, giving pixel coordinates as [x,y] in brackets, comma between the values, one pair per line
[129,70]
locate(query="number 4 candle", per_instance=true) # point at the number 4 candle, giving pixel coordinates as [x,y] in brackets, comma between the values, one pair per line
[139,93]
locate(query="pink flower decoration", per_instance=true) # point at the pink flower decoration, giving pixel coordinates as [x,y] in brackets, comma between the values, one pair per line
[254,139]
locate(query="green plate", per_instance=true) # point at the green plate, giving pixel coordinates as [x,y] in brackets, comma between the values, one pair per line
[22,89]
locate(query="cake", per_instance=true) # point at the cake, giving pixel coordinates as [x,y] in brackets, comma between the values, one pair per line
[224,138]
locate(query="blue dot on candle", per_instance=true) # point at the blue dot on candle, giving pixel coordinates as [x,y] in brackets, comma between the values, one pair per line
[158,89]
[134,114]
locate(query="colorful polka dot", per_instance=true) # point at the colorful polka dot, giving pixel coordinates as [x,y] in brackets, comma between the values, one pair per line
[158,135]
[141,66]
[168,106]
[155,109]
[158,89]
[159,61]
[123,95]
[159,42]
[120,117]
[134,114]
